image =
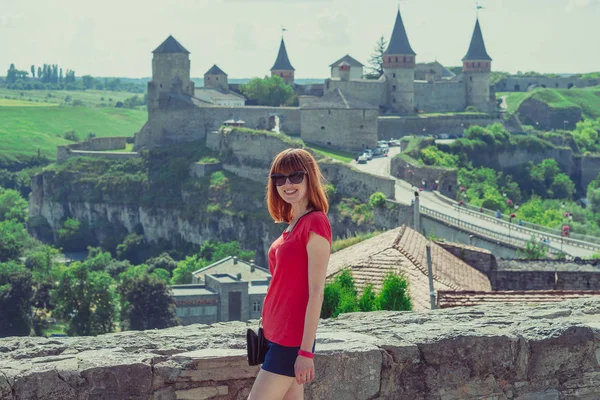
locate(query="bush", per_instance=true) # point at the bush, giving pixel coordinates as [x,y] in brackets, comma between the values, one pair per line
[377,199]
[78,103]
[394,293]
[71,136]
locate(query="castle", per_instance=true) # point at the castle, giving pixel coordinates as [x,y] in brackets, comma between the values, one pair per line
[351,114]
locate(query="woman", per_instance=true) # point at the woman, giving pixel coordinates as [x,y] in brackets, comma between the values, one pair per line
[298,263]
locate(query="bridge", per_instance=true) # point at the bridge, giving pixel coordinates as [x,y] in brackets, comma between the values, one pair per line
[484,224]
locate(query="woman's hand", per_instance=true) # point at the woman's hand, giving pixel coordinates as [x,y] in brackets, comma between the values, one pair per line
[304,368]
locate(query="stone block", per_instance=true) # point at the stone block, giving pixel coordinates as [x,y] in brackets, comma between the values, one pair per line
[202,393]
[216,365]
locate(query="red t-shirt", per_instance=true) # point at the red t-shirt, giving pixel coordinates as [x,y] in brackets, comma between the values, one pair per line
[285,304]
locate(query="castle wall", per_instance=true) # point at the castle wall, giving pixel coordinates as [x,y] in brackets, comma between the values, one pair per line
[400,85]
[440,96]
[523,83]
[397,127]
[370,91]
[355,72]
[355,183]
[191,124]
[348,129]
[94,145]
[544,280]
[417,174]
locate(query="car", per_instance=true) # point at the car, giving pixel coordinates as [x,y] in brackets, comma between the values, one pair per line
[369,154]
[362,159]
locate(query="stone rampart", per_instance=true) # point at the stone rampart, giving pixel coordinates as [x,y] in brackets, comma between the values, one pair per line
[93,145]
[590,168]
[516,351]
[478,258]
[524,83]
[397,127]
[408,170]
[354,183]
[201,169]
[440,96]
[370,91]
[190,122]
[539,114]
[544,280]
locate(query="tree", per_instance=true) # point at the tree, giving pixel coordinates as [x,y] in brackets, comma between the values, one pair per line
[39,73]
[562,187]
[533,250]
[163,261]
[394,293]
[73,235]
[376,60]
[12,205]
[183,273]
[88,81]
[86,299]
[41,263]
[33,71]
[132,248]
[368,299]
[214,251]
[11,75]
[269,91]
[13,238]
[146,303]
[15,300]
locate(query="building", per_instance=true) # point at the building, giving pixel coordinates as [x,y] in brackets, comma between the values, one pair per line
[282,67]
[356,67]
[216,90]
[339,120]
[228,290]
[406,87]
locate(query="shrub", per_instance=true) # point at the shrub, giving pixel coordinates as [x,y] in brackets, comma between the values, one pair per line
[394,293]
[71,136]
[78,103]
[377,199]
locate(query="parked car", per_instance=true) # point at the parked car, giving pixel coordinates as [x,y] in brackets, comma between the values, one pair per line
[362,159]
[369,154]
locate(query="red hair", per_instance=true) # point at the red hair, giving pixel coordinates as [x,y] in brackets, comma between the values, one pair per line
[296,160]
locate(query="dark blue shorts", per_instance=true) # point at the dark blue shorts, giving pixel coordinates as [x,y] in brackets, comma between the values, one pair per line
[281,359]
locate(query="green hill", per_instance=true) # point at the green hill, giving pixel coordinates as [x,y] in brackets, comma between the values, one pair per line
[587,99]
[24,130]
[87,97]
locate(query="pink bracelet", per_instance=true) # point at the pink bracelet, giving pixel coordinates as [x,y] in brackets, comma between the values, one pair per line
[305,354]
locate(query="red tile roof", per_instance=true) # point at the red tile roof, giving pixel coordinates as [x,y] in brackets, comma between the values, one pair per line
[447,299]
[403,250]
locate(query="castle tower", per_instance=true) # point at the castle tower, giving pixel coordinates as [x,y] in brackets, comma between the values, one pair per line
[399,70]
[282,66]
[477,65]
[170,72]
[344,71]
[215,78]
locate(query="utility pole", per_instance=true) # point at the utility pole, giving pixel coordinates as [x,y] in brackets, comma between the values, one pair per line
[430,275]
[416,211]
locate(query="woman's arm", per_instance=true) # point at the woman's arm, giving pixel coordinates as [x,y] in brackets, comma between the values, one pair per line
[318,249]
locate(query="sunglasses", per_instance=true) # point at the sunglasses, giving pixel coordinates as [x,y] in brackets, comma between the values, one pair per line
[295,177]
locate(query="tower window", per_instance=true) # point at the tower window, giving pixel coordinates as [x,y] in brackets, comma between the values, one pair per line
[478,64]
[396,59]
[471,78]
[362,126]
[473,65]
[393,88]
[393,75]
[393,99]
[404,59]
[322,128]
[161,85]
[217,78]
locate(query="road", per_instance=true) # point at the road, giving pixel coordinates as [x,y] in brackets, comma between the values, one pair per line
[405,194]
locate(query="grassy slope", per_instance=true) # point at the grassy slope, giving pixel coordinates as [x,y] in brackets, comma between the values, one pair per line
[588,99]
[25,129]
[88,97]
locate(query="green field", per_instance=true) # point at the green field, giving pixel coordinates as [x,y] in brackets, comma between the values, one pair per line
[88,97]
[588,99]
[24,130]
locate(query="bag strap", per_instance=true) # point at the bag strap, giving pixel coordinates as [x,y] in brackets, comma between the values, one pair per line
[296,224]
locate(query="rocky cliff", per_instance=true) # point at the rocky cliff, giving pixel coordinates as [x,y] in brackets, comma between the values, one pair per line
[525,352]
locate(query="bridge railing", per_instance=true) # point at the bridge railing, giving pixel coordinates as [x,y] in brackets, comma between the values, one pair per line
[577,240]
[477,229]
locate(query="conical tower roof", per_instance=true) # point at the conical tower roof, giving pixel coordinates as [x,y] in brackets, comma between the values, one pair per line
[399,42]
[283,62]
[171,46]
[477,48]
[214,70]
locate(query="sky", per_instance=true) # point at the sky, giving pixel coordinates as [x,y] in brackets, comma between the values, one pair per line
[117,37]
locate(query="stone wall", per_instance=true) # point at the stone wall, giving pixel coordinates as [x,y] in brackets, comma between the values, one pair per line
[539,114]
[397,127]
[478,258]
[544,280]
[368,90]
[415,174]
[182,120]
[440,96]
[562,155]
[516,351]
[347,129]
[354,183]
[95,144]
[524,83]
[200,169]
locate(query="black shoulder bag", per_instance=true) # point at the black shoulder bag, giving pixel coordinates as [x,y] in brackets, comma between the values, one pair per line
[256,344]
